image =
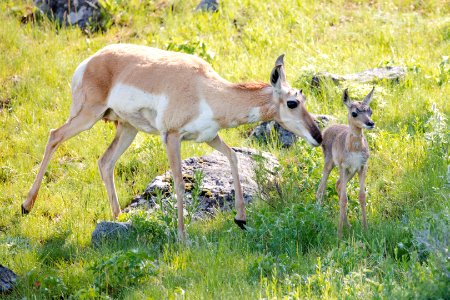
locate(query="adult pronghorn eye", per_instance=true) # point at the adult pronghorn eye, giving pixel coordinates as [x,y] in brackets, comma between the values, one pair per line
[292,104]
[354,114]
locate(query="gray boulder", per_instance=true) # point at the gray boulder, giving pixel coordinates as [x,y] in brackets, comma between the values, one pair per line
[7,280]
[395,74]
[75,12]
[209,184]
[108,231]
[269,131]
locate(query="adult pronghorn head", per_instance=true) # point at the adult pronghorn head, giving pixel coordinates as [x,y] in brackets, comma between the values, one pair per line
[359,113]
[292,113]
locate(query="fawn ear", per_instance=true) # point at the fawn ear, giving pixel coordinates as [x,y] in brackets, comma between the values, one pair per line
[368,98]
[346,99]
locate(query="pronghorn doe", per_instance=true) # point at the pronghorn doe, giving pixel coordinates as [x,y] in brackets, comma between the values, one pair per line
[345,147]
[178,96]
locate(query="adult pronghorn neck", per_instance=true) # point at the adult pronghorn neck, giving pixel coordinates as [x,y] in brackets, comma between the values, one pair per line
[242,103]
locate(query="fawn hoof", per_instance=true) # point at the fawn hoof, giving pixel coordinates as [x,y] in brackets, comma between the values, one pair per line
[241,224]
[24,210]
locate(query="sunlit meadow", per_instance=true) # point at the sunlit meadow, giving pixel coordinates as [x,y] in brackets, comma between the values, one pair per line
[291,249]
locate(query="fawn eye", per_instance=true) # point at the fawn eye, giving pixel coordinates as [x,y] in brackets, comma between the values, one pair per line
[292,104]
[354,114]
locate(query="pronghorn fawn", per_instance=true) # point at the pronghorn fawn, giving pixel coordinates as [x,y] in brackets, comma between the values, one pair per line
[345,147]
[178,96]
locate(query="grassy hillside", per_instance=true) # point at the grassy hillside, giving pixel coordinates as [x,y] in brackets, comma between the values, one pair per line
[291,250]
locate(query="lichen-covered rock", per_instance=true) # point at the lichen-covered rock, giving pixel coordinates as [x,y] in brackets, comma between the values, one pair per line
[394,73]
[215,189]
[107,231]
[7,280]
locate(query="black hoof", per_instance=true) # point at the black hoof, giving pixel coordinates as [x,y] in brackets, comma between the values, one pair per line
[24,211]
[241,224]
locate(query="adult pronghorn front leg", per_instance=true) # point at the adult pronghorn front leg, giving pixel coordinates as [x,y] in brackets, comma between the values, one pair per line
[220,146]
[125,135]
[82,121]
[173,145]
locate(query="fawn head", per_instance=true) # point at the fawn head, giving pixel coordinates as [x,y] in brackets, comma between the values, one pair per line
[291,110]
[359,113]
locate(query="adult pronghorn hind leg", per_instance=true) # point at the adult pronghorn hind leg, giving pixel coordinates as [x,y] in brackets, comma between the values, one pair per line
[220,146]
[173,144]
[82,121]
[125,135]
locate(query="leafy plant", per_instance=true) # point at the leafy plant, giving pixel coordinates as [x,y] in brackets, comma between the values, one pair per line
[444,71]
[192,47]
[52,287]
[90,293]
[437,128]
[155,228]
[196,191]
[294,229]
[112,12]
[122,269]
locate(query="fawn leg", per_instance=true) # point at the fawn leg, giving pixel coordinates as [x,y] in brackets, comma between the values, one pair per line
[341,187]
[362,194]
[328,166]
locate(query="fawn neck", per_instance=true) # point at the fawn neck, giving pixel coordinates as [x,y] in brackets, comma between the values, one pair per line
[355,140]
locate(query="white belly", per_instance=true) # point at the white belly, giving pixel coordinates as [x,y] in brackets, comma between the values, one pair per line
[142,110]
[354,161]
[203,128]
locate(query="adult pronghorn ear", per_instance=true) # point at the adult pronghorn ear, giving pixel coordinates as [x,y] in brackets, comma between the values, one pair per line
[346,99]
[278,76]
[280,60]
[368,98]
[275,78]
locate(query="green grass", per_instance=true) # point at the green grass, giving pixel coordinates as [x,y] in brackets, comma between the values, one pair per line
[291,249]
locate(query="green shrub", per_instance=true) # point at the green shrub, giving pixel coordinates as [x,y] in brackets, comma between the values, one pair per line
[123,269]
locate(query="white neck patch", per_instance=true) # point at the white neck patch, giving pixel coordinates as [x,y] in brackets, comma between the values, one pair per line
[254,114]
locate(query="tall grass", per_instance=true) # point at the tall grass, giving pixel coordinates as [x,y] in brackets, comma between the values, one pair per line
[291,249]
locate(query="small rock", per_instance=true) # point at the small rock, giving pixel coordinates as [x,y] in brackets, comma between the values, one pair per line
[7,280]
[105,231]
[15,79]
[5,104]
[395,74]
[208,5]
